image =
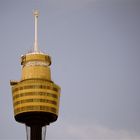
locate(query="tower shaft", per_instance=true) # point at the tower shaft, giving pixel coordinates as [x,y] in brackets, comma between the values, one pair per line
[36,132]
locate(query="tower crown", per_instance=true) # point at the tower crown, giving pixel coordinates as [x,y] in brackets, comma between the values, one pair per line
[36,64]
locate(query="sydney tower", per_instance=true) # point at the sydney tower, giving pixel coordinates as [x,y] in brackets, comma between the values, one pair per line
[35,96]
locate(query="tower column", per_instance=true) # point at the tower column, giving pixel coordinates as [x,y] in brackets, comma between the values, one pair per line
[36,132]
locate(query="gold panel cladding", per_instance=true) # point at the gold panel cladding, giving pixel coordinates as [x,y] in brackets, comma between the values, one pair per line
[41,72]
[39,108]
[36,57]
[36,95]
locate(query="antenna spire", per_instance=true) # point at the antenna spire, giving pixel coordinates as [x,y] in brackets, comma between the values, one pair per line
[36,14]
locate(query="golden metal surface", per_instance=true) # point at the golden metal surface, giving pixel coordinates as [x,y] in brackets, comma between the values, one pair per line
[35,91]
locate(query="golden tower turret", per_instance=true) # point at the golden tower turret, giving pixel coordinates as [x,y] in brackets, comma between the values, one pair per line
[35,96]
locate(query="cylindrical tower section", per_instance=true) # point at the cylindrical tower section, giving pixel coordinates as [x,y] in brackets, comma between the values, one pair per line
[36,65]
[36,97]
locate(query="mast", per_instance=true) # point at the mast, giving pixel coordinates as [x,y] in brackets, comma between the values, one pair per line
[36,14]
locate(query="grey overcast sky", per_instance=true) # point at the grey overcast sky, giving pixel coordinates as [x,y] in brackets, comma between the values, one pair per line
[95,49]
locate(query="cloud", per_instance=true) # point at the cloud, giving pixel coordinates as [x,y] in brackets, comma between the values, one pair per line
[89,131]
